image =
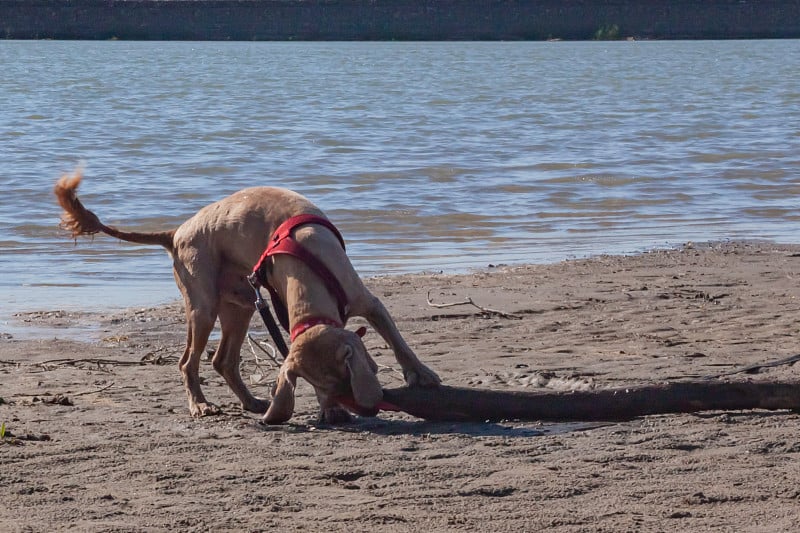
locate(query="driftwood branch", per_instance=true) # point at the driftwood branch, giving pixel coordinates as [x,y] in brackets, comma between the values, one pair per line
[477,405]
[469,301]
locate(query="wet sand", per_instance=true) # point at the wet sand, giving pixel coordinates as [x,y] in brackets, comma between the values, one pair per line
[99,438]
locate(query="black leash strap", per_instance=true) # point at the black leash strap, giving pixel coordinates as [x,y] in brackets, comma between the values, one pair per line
[269,320]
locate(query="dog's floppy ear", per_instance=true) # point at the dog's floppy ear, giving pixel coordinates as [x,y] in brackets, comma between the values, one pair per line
[282,406]
[367,390]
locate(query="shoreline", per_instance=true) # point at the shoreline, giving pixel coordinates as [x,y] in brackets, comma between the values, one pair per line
[78,292]
[44,323]
[403,20]
[99,431]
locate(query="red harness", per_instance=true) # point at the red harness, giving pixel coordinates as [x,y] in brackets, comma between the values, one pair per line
[282,242]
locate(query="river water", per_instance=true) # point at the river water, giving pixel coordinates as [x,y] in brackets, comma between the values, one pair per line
[429,156]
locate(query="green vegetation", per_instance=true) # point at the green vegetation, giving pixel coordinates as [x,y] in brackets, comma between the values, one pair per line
[609,32]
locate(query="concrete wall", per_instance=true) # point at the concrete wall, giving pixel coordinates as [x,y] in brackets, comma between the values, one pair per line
[396,19]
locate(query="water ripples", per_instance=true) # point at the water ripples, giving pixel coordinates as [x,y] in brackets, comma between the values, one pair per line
[428,155]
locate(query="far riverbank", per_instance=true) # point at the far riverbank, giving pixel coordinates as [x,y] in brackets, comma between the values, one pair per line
[383,20]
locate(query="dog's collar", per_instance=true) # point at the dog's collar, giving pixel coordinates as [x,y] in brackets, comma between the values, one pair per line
[305,325]
[301,327]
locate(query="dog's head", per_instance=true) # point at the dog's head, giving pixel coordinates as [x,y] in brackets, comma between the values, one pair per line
[335,361]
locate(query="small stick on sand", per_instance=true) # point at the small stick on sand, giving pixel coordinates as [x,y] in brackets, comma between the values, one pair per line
[251,341]
[469,301]
[755,368]
[95,391]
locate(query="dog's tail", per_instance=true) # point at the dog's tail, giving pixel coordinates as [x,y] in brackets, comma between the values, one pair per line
[80,221]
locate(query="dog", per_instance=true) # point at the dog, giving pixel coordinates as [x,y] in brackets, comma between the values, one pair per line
[213,254]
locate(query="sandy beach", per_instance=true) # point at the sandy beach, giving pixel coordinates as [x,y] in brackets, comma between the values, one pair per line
[98,435]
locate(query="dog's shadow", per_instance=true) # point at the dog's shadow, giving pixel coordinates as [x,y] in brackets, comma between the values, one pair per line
[392,427]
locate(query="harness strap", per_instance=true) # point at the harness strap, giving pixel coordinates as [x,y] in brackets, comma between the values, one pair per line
[285,229]
[266,316]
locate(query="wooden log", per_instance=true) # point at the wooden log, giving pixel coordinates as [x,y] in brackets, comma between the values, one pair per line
[478,405]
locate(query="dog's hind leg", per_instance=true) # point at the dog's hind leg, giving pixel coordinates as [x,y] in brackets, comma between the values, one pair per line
[234,321]
[199,326]
[201,301]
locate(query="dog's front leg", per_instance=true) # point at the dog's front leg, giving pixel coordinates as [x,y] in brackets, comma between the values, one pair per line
[415,372]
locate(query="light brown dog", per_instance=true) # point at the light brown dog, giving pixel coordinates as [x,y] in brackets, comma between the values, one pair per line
[213,253]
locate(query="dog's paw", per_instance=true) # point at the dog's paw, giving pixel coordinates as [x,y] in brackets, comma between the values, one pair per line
[334,416]
[422,376]
[200,409]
